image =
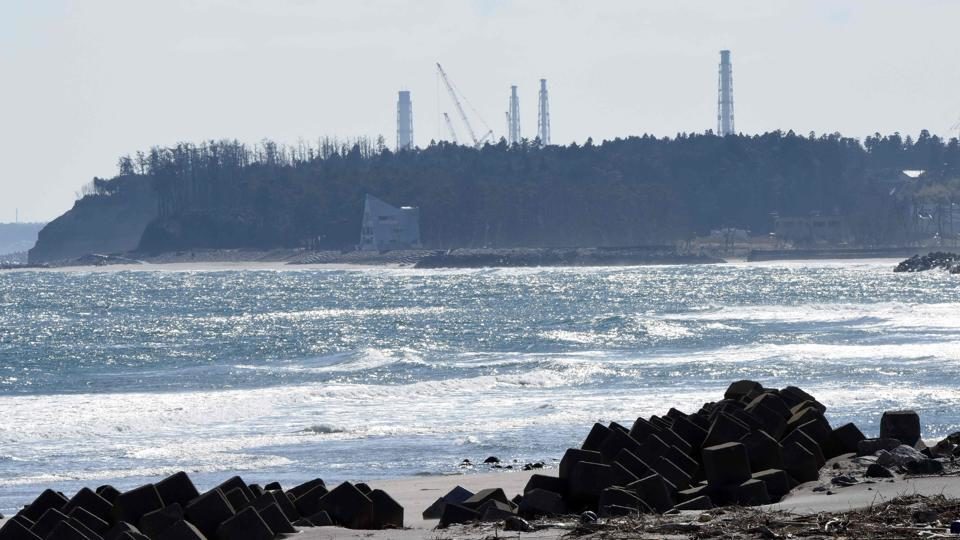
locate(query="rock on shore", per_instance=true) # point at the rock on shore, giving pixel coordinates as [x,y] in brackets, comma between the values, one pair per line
[936,260]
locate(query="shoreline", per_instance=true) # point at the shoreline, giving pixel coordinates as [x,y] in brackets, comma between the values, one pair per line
[230,260]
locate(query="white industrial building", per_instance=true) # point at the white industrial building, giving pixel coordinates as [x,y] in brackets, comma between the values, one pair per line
[385,227]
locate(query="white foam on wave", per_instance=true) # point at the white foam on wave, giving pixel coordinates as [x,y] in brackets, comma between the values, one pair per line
[327,313]
[872,315]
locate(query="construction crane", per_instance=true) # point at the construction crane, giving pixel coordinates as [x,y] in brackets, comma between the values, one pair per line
[463,115]
[956,127]
[453,132]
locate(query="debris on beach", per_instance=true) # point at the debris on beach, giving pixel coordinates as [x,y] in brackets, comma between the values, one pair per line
[173,509]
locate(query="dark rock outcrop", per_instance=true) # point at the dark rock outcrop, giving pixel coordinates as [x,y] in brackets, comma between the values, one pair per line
[930,261]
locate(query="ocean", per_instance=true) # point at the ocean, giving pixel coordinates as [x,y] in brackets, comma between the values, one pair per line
[287,374]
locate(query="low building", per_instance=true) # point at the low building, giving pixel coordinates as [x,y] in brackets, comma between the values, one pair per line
[810,230]
[385,227]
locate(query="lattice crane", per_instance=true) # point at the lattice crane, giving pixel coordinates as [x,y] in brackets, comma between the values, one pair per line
[463,114]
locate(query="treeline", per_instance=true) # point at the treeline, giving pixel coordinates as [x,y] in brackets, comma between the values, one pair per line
[632,191]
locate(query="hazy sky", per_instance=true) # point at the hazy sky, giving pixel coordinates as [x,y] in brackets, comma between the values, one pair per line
[85,81]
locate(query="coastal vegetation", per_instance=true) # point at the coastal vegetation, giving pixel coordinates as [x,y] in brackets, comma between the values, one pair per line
[631,191]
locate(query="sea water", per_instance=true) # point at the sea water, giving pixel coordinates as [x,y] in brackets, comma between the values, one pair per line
[123,377]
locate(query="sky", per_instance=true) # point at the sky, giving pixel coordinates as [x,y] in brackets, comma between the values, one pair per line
[84,82]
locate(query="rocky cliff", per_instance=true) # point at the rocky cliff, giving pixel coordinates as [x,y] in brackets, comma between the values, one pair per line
[109,220]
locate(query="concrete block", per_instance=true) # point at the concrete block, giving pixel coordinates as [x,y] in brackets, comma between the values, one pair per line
[549,483]
[799,436]
[632,463]
[655,491]
[747,419]
[901,425]
[800,463]
[587,481]
[738,389]
[455,513]
[763,450]
[690,432]
[245,525]
[348,506]
[776,480]
[753,492]
[495,511]
[45,501]
[309,503]
[617,440]
[182,530]
[573,456]
[131,505]
[84,530]
[154,523]
[108,492]
[672,439]
[725,429]
[726,464]
[65,530]
[236,482]
[484,495]
[15,530]
[598,433]
[47,522]
[772,402]
[177,488]
[238,498]
[118,529]
[455,496]
[302,489]
[614,496]
[653,448]
[771,420]
[274,517]
[701,490]
[669,470]
[208,511]
[661,423]
[794,396]
[541,502]
[89,520]
[683,460]
[621,476]
[802,416]
[321,519]
[25,521]
[387,513]
[642,429]
[87,499]
[281,500]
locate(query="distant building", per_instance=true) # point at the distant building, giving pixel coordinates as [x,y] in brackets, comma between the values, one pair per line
[811,230]
[385,227]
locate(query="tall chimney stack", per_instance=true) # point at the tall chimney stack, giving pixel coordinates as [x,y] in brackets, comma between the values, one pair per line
[513,135]
[404,121]
[543,115]
[725,97]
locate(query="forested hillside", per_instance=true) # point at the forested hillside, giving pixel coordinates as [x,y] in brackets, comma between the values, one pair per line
[637,190]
